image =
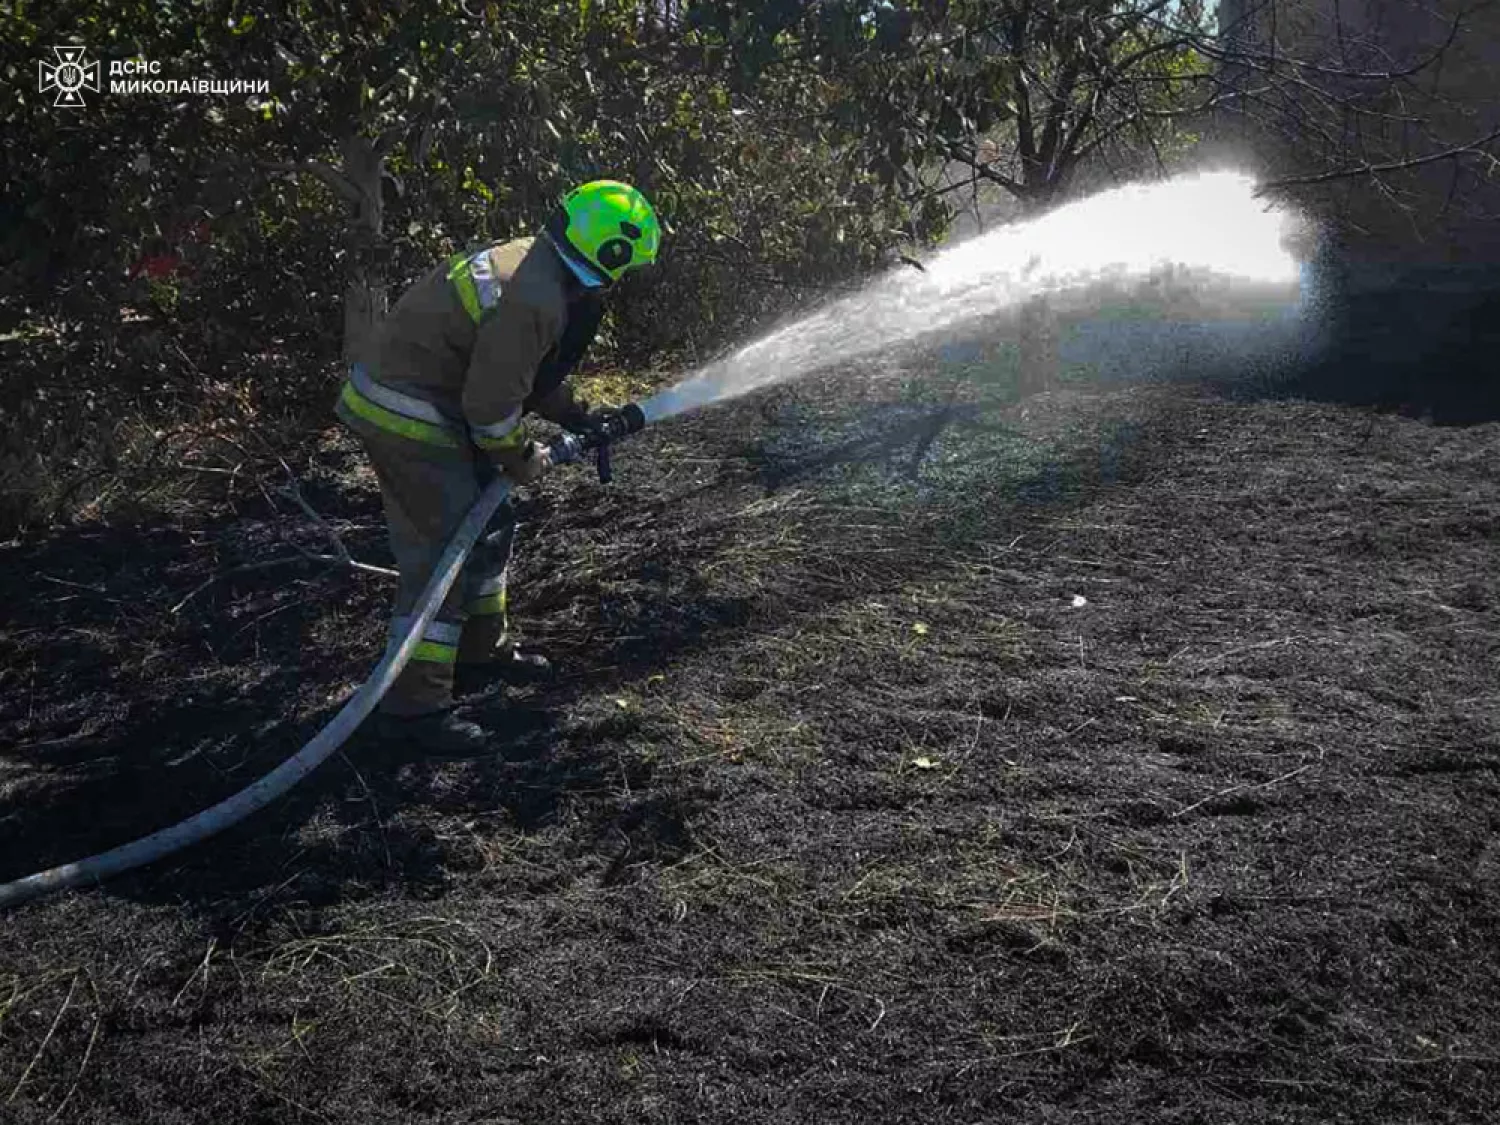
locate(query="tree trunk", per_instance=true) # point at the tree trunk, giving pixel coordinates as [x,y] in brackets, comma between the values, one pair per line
[1037,337]
[365,297]
[364,309]
[1037,326]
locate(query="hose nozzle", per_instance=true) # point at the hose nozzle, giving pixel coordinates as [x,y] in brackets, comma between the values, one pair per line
[628,419]
[609,427]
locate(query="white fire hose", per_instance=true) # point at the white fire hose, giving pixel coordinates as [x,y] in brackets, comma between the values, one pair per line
[258,795]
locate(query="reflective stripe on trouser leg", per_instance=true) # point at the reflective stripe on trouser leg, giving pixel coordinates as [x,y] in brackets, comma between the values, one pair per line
[487,624]
[425,500]
[439,643]
[486,628]
[426,683]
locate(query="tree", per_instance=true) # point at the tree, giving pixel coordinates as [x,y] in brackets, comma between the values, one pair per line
[1019,95]
[352,83]
[1380,117]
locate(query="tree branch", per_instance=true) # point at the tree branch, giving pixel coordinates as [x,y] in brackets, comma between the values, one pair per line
[287,560]
[1472,149]
[982,169]
[1245,56]
[387,140]
[325,172]
[1025,132]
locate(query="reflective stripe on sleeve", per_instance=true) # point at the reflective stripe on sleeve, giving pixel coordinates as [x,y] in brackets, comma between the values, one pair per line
[458,273]
[508,433]
[486,286]
[474,278]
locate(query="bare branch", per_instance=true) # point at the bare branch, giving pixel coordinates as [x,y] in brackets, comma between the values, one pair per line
[268,564]
[1245,56]
[1475,148]
[293,492]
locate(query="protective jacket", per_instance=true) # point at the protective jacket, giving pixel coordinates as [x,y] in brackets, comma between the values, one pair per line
[482,340]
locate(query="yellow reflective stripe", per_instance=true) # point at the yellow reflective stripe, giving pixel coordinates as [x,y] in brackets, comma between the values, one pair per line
[408,406]
[435,653]
[378,415]
[458,273]
[500,428]
[513,440]
[487,606]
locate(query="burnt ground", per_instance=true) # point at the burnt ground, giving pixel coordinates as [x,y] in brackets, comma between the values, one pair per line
[1131,756]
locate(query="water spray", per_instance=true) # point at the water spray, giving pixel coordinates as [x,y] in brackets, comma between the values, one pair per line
[1186,239]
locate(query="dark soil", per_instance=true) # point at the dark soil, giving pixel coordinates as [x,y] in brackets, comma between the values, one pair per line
[1125,757]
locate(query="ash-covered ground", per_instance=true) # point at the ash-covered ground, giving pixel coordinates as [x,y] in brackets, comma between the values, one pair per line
[1116,755]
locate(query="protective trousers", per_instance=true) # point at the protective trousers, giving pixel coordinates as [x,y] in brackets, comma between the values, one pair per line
[425,500]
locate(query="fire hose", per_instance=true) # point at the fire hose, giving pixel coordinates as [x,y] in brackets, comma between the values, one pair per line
[563,450]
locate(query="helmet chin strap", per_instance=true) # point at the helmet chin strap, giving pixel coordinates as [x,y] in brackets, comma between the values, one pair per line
[586,277]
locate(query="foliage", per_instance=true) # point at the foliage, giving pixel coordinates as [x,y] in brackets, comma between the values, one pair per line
[180,254]
[1020,92]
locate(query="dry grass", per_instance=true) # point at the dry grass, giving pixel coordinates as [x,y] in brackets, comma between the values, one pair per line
[1135,756]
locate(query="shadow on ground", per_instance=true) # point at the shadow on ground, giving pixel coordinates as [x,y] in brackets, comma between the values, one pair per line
[136,696]
[1419,342]
[1136,756]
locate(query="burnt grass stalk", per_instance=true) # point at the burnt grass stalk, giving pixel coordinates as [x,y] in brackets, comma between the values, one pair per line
[1123,754]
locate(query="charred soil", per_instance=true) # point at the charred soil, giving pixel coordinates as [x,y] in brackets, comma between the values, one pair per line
[1127,756]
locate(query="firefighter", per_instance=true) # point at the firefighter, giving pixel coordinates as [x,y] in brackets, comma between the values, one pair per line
[466,354]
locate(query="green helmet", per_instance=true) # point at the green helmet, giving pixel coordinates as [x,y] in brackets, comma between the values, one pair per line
[609,225]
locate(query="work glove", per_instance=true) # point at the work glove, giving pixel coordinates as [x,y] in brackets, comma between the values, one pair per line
[525,465]
[574,414]
[561,408]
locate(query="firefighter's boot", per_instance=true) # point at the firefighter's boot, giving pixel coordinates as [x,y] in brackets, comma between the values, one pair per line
[488,656]
[438,734]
